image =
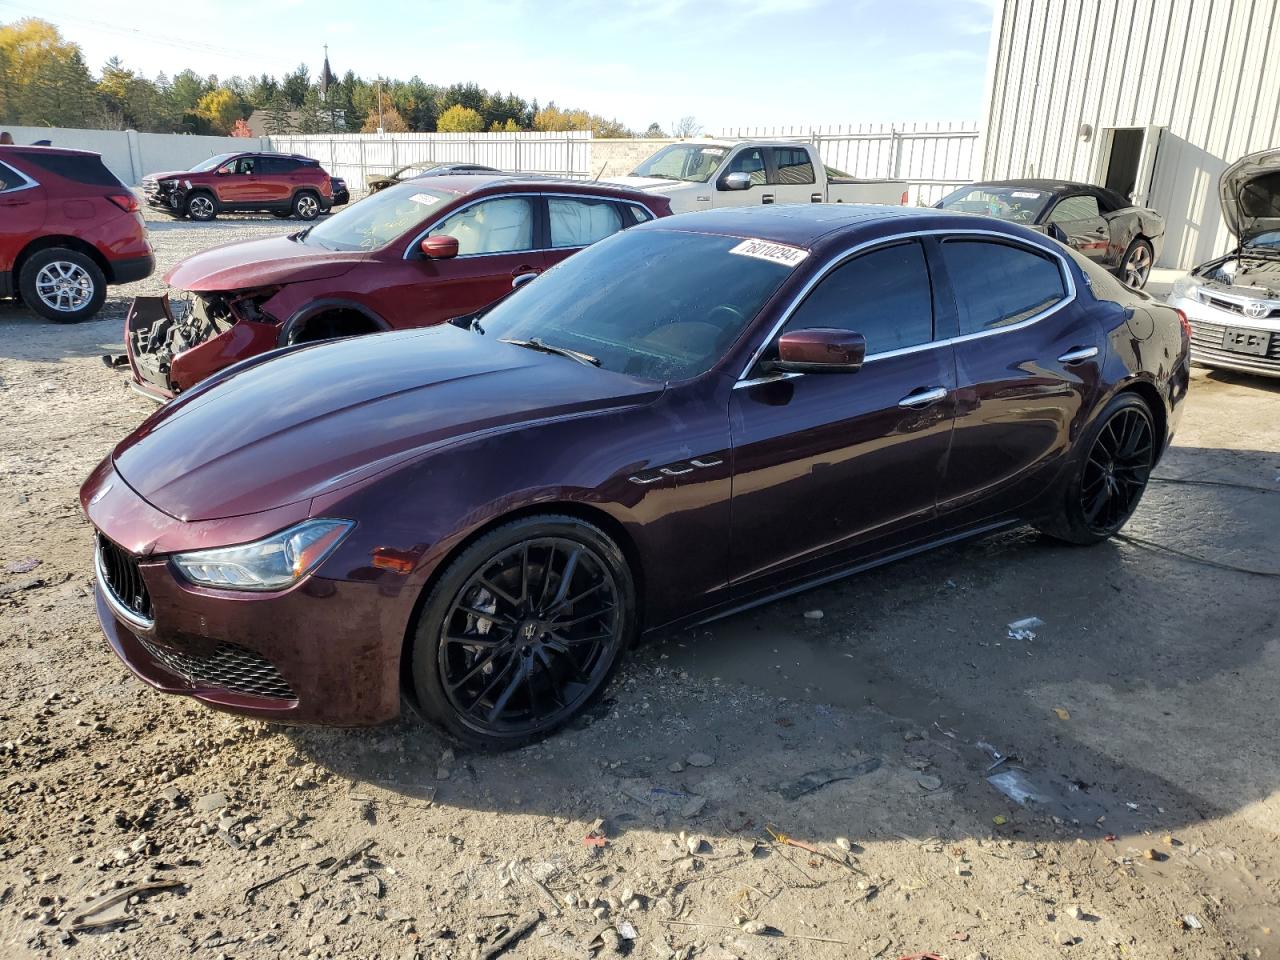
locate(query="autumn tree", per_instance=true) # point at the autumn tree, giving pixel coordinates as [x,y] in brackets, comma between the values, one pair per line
[552,119]
[221,108]
[460,119]
[241,129]
[392,122]
[44,81]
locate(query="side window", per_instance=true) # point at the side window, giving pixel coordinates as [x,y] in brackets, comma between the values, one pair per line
[577,223]
[246,165]
[885,295]
[996,284]
[267,166]
[749,162]
[501,225]
[9,178]
[794,165]
[1075,208]
[633,213]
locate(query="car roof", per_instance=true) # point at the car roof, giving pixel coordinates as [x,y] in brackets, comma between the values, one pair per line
[806,224]
[468,183]
[18,149]
[1048,185]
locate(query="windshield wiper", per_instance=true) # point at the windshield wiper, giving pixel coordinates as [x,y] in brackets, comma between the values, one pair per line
[536,343]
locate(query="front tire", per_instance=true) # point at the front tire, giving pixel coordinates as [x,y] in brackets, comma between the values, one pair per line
[1107,476]
[523,631]
[1135,266]
[201,207]
[306,205]
[62,285]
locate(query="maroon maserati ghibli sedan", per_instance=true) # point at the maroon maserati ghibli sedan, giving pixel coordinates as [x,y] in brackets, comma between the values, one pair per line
[693,416]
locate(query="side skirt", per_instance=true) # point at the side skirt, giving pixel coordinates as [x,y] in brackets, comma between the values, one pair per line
[732,607]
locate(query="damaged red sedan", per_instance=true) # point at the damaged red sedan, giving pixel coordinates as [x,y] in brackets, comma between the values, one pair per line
[689,418]
[408,256]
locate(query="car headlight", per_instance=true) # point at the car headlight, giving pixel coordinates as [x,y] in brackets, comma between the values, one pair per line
[1185,287]
[273,563]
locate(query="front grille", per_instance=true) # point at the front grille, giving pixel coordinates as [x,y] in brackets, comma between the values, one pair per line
[229,667]
[1233,306]
[1206,344]
[121,576]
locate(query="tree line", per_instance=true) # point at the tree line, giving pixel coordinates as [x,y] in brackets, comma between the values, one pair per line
[44,81]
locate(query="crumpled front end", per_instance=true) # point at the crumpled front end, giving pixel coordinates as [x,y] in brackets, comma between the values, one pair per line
[164,194]
[172,347]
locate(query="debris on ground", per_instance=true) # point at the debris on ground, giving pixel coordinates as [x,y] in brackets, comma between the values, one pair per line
[1024,629]
[816,779]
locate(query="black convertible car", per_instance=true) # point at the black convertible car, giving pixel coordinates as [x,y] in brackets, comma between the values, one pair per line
[1098,223]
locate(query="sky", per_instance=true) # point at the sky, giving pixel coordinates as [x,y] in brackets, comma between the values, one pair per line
[729,63]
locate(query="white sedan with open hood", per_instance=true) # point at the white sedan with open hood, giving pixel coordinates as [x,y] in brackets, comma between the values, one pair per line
[1233,301]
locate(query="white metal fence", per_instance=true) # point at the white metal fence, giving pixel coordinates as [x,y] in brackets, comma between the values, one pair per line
[933,158]
[353,156]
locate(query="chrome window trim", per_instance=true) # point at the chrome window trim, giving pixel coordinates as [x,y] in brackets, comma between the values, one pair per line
[26,184]
[524,194]
[945,233]
[113,602]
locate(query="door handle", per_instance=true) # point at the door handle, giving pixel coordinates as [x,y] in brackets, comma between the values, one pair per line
[922,397]
[1078,355]
[766,198]
[523,269]
[815,198]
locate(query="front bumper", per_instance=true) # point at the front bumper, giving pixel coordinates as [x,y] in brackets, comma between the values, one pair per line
[1211,346]
[326,651]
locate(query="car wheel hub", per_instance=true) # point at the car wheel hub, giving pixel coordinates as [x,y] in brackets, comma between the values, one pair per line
[529,636]
[64,286]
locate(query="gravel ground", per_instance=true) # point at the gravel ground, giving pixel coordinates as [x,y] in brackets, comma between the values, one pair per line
[675,821]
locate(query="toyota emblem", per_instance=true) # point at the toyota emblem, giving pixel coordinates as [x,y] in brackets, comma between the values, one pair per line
[1256,309]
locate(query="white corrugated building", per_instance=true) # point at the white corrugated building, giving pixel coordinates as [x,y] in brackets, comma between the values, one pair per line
[1151,97]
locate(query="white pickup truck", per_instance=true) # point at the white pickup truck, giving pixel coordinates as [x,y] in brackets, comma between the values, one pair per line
[704,174]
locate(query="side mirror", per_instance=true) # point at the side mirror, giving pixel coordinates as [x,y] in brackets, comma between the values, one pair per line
[439,248]
[820,350]
[520,279]
[736,181]
[1057,233]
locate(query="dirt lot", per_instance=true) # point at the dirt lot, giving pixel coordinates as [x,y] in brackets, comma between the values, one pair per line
[677,821]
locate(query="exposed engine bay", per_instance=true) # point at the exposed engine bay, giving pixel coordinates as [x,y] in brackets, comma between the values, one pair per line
[1243,273]
[159,330]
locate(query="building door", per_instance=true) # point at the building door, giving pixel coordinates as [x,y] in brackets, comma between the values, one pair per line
[1128,161]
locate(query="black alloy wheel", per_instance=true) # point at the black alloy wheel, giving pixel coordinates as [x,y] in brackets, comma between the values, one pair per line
[1116,472]
[1112,466]
[523,630]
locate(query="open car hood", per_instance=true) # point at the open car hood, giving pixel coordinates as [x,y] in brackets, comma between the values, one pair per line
[1249,190]
[259,263]
[327,415]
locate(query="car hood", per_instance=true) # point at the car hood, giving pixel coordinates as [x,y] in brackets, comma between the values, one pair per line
[654,184]
[167,174]
[328,415]
[1249,190]
[259,263]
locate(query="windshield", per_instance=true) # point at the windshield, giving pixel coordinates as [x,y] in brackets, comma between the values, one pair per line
[213,163]
[1016,204]
[656,304]
[694,162]
[377,219]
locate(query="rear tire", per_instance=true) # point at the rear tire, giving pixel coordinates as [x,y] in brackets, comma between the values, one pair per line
[1135,266]
[562,600]
[306,205]
[201,206]
[62,285]
[1107,475]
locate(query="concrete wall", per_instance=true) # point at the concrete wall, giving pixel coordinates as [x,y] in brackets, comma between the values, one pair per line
[131,155]
[1207,73]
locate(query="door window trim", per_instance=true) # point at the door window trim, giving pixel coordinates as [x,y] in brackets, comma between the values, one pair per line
[26,183]
[943,234]
[533,197]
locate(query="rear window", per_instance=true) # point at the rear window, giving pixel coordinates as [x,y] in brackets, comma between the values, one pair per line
[10,178]
[998,284]
[81,168]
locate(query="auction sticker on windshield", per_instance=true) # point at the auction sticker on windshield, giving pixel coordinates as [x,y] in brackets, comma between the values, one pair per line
[425,198]
[773,252]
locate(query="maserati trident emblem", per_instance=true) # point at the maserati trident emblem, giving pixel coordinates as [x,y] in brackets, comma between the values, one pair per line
[529,631]
[1256,309]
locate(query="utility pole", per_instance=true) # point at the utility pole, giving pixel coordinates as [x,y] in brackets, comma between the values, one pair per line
[380,129]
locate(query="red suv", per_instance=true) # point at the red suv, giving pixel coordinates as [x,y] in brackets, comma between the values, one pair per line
[68,227]
[415,254]
[285,184]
